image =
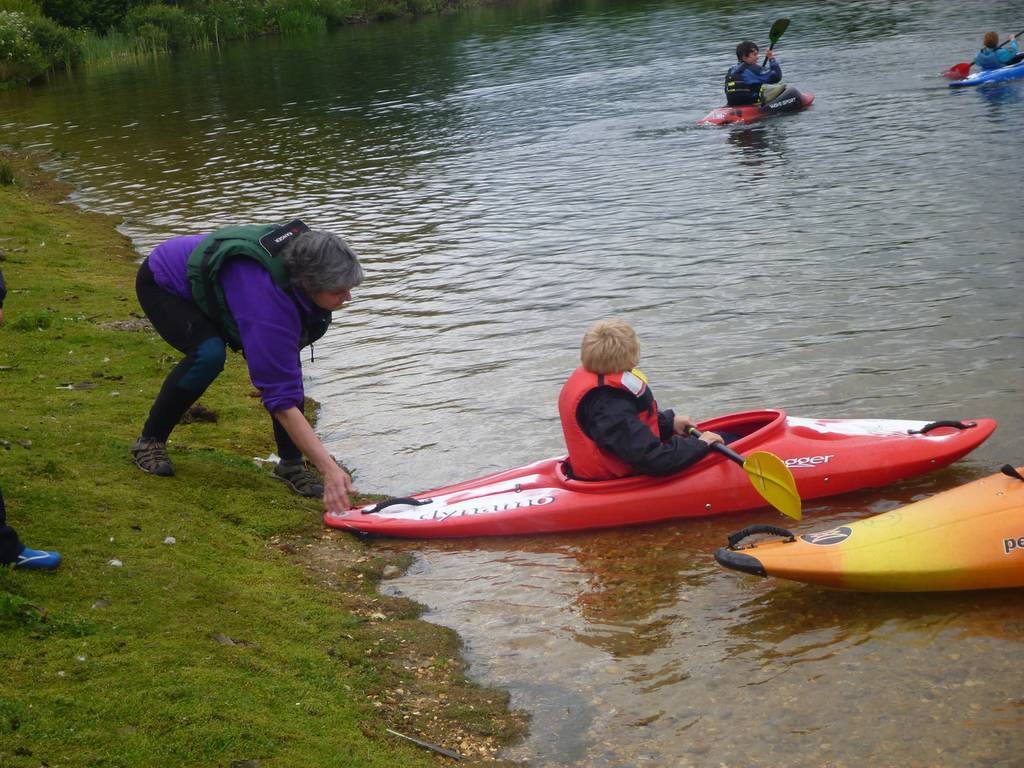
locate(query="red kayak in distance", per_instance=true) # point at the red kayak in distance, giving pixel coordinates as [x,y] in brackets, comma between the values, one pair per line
[790,100]
[826,456]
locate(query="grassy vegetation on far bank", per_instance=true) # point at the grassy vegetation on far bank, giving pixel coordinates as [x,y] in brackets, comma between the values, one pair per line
[42,36]
[202,620]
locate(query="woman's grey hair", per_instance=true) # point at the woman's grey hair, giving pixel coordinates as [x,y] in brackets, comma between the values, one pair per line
[321,261]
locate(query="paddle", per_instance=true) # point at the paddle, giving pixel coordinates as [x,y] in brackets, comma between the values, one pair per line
[780,26]
[768,474]
[963,69]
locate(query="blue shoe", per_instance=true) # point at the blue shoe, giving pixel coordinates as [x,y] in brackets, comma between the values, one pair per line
[37,560]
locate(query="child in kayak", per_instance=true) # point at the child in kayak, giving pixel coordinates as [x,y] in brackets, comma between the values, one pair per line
[610,420]
[747,82]
[991,56]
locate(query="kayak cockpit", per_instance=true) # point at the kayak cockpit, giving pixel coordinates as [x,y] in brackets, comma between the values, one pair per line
[749,428]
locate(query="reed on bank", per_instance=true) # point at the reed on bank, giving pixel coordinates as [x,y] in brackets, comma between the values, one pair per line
[37,39]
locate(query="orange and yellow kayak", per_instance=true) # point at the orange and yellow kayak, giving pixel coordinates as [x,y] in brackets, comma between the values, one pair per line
[971,537]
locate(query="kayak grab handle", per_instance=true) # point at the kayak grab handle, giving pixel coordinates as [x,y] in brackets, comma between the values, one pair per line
[947,423]
[405,501]
[774,530]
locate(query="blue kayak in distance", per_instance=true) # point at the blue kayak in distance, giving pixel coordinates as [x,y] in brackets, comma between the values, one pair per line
[990,76]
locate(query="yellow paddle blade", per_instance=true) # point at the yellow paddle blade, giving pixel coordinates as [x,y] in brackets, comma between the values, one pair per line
[772,479]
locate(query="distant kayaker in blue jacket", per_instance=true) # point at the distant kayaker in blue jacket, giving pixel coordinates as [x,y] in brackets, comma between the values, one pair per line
[747,82]
[267,291]
[991,56]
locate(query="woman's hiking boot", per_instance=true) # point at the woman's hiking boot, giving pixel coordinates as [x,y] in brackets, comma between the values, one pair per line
[300,478]
[150,455]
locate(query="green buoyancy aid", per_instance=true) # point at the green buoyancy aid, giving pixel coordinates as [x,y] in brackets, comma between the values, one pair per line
[260,242]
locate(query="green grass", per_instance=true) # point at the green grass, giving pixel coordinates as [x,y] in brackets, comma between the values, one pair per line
[217,649]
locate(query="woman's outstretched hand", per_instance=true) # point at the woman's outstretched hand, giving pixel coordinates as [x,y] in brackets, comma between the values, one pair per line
[337,482]
[337,486]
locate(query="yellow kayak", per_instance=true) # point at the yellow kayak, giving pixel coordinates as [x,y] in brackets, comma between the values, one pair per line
[971,537]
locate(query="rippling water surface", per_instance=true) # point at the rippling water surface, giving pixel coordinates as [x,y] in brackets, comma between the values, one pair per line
[510,175]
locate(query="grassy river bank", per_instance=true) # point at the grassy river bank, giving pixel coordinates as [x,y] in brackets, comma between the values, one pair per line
[202,620]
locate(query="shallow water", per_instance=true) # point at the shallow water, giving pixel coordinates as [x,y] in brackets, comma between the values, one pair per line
[508,176]
[633,648]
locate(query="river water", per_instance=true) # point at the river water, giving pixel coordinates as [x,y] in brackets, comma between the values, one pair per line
[511,174]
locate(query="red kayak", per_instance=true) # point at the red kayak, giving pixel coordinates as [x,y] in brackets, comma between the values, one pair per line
[790,100]
[826,456]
